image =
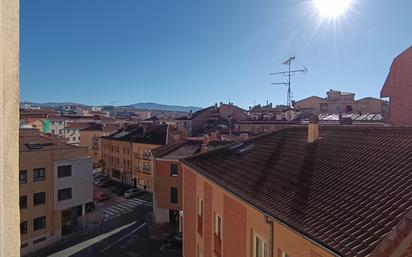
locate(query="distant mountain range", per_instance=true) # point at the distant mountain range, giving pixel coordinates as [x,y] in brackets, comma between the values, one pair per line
[164,107]
[145,106]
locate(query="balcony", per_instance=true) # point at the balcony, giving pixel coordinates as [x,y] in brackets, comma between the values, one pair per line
[217,245]
[200,225]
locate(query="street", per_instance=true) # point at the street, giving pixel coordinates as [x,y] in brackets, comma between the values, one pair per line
[123,231]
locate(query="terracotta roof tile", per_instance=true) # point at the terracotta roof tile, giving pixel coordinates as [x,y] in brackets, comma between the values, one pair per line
[346,191]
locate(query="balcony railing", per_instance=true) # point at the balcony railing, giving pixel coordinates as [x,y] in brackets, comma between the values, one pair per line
[217,245]
[200,225]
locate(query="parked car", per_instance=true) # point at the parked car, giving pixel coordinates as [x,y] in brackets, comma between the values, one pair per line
[98,174]
[173,243]
[100,179]
[133,192]
[100,196]
[106,183]
[120,189]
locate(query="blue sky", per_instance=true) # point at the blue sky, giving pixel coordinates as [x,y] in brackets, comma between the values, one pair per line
[190,52]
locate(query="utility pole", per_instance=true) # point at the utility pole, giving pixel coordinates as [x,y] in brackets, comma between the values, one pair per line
[289,73]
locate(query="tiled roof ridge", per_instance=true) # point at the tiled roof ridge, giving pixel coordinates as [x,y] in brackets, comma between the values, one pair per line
[232,144]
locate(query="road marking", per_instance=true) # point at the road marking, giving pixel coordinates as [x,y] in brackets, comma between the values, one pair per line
[123,237]
[83,245]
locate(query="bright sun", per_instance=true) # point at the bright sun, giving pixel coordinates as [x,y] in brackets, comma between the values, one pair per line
[332,8]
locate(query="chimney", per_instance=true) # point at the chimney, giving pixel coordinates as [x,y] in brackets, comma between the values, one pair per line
[206,139]
[203,148]
[313,129]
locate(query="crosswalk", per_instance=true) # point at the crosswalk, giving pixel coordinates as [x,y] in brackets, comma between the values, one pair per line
[123,207]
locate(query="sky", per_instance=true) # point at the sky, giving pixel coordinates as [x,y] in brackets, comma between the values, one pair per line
[190,52]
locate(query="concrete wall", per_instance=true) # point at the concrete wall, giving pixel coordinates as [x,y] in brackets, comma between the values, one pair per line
[9,115]
[81,182]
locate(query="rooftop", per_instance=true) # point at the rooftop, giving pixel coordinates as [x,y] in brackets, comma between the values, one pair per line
[33,140]
[142,133]
[185,149]
[346,191]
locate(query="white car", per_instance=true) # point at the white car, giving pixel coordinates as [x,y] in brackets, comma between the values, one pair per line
[133,192]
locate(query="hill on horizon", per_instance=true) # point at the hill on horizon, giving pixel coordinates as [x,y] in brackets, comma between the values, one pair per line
[145,106]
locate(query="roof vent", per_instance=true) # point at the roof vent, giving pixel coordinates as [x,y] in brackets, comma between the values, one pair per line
[245,149]
[236,147]
[34,146]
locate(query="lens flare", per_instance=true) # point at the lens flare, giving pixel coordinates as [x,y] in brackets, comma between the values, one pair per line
[332,8]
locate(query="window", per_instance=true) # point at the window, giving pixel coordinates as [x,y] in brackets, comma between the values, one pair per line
[218,226]
[218,236]
[174,170]
[64,194]
[116,173]
[173,194]
[39,198]
[260,247]
[124,161]
[124,150]
[64,171]
[39,174]
[23,202]
[24,245]
[39,223]
[23,227]
[200,216]
[23,177]
[41,239]
[117,160]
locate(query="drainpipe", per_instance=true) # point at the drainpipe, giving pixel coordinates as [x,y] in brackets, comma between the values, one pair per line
[271,233]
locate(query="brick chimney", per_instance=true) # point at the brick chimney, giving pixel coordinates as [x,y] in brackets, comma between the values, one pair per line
[313,129]
[204,143]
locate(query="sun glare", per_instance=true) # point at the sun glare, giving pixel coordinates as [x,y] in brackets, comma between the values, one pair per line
[332,8]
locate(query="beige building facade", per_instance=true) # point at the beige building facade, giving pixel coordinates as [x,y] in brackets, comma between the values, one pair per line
[55,185]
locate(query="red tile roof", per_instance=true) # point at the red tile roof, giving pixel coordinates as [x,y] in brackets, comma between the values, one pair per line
[346,191]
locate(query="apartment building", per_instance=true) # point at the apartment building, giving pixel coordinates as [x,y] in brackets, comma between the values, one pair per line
[90,137]
[341,102]
[333,191]
[55,186]
[211,119]
[398,87]
[127,152]
[168,177]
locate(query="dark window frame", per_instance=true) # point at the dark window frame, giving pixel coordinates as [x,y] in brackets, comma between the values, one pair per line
[39,223]
[63,172]
[174,195]
[63,194]
[38,200]
[24,180]
[174,170]
[23,206]
[24,227]
[39,177]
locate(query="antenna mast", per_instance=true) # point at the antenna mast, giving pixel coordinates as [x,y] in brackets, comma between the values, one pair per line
[289,73]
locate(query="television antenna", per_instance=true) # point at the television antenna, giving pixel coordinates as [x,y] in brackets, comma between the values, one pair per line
[288,74]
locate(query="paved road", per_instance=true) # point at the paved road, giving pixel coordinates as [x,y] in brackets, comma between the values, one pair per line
[123,233]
